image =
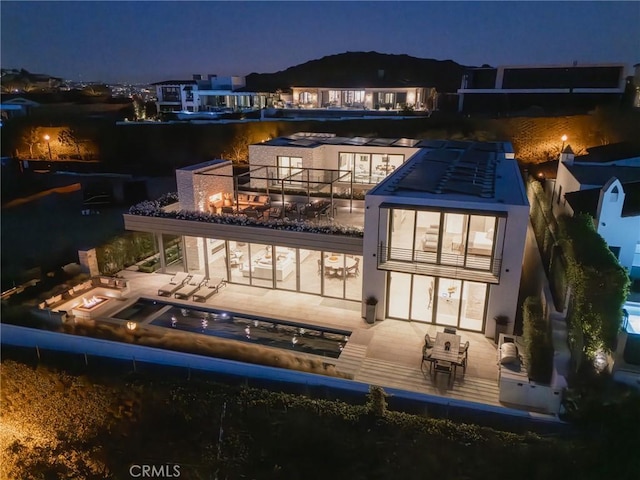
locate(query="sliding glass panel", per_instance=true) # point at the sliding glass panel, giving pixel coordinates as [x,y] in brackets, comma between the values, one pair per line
[481,240]
[310,271]
[346,162]
[353,277]
[261,265]
[401,236]
[453,239]
[239,262]
[285,258]
[362,168]
[217,257]
[448,301]
[427,236]
[474,296]
[334,274]
[422,298]
[399,295]
[173,253]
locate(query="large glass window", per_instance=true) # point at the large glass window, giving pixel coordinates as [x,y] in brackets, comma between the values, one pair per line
[473,302]
[481,242]
[310,271]
[170,94]
[173,253]
[288,166]
[442,301]
[402,236]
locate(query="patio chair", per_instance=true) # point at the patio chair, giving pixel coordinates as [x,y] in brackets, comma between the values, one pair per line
[426,357]
[463,356]
[210,287]
[441,366]
[275,212]
[428,341]
[228,210]
[190,287]
[174,284]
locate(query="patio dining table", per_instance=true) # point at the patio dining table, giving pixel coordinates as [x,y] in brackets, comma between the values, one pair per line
[440,351]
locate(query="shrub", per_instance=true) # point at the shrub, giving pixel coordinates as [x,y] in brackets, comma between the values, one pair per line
[539,352]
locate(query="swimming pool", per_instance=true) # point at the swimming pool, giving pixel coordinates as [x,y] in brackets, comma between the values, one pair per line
[326,342]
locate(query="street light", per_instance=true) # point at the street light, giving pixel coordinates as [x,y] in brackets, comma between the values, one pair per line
[47,138]
[564,139]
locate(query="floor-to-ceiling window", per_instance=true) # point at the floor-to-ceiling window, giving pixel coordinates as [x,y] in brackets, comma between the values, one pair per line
[173,253]
[368,167]
[437,300]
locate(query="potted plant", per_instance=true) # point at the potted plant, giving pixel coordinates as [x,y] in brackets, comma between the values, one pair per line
[502,322]
[371,303]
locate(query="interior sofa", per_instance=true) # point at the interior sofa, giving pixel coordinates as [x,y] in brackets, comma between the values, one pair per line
[430,239]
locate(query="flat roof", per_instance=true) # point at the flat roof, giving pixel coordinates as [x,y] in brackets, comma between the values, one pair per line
[449,170]
[203,165]
[313,140]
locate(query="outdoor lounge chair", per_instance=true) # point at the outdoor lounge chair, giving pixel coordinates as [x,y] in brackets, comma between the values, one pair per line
[190,287]
[174,284]
[210,287]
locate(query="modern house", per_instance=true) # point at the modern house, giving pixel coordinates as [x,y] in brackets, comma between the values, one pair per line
[514,88]
[364,97]
[210,94]
[604,183]
[439,237]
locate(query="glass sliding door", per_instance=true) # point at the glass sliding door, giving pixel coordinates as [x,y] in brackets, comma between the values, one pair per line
[310,271]
[454,238]
[474,297]
[481,242]
[402,234]
[422,293]
[399,295]
[448,301]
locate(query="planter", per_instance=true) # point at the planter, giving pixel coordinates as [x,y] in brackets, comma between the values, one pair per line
[371,314]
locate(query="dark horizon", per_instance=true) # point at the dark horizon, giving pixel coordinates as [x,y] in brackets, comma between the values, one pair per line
[144,42]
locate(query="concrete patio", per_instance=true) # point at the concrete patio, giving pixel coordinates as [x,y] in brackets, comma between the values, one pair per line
[388,353]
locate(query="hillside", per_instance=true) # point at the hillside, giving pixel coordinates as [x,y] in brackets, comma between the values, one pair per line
[359,69]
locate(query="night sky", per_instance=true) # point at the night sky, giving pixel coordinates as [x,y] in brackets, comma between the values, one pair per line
[148,41]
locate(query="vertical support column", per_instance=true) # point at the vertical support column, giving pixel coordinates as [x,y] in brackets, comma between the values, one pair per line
[205,257]
[163,260]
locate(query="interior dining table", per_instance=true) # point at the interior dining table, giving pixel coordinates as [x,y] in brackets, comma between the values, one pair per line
[338,261]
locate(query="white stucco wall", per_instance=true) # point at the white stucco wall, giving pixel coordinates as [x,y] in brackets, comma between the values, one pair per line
[617,231]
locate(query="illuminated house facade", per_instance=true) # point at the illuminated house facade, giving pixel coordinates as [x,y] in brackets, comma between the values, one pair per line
[206,95]
[439,239]
[364,98]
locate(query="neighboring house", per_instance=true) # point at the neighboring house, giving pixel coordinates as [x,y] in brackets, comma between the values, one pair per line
[364,97]
[17,107]
[443,235]
[511,88]
[209,94]
[605,183]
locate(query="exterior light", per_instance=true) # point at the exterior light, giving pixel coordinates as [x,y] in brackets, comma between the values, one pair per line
[131,326]
[564,139]
[46,139]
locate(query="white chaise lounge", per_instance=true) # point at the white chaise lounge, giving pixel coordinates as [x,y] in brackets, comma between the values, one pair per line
[208,289]
[190,287]
[174,284]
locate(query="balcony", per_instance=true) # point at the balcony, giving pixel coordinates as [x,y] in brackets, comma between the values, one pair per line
[475,268]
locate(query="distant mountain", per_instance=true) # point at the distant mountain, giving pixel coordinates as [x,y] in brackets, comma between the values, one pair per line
[363,69]
[24,81]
